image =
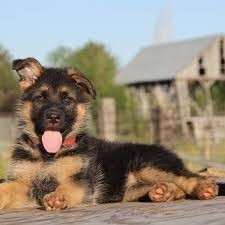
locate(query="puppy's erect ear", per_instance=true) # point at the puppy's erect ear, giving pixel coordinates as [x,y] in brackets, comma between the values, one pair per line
[82,82]
[29,70]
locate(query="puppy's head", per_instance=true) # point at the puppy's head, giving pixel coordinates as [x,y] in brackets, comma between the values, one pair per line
[54,101]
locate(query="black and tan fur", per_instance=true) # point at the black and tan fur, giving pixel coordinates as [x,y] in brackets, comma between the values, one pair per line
[92,170]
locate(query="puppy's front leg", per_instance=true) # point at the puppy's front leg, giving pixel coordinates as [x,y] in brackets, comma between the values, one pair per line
[66,195]
[14,194]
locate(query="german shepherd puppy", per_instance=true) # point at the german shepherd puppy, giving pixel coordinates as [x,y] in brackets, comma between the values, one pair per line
[55,163]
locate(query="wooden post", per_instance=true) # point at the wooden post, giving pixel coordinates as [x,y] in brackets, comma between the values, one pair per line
[143,101]
[184,104]
[208,140]
[107,119]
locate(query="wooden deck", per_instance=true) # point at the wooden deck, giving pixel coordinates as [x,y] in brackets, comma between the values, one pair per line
[187,212]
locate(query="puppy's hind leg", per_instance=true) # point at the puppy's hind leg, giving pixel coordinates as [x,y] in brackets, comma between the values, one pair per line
[192,184]
[165,191]
[205,190]
[136,191]
[157,192]
[197,186]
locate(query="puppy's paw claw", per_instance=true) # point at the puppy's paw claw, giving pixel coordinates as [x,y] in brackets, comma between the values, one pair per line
[161,193]
[206,190]
[54,201]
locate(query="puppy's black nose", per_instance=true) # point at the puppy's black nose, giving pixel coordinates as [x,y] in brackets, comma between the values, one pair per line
[53,116]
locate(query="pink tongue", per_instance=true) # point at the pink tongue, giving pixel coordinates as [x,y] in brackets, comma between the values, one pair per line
[52,141]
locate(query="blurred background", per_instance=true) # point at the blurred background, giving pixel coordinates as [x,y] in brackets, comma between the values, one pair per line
[158,67]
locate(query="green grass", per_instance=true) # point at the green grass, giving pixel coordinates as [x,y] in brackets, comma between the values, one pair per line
[4,152]
[3,164]
[214,153]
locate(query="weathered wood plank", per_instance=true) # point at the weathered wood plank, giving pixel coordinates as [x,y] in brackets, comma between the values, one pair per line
[183,212]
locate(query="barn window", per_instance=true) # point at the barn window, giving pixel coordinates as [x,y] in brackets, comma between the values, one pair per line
[201,67]
[222,60]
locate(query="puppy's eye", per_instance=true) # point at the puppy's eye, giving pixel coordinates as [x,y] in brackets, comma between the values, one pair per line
[67,100]
[40,98]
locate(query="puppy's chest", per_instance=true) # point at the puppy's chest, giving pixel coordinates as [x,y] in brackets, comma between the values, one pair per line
[60,169]
[54,174]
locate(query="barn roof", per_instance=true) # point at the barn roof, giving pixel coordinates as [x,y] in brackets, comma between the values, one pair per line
[162,62]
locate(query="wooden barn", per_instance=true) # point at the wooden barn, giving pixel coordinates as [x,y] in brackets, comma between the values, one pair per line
[178,88]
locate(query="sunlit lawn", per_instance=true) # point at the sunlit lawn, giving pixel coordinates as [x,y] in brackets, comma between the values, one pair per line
[4,153]
[214,153]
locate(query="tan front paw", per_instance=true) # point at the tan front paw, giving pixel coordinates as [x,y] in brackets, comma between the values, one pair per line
[54,201]
[206,190]
[3,201]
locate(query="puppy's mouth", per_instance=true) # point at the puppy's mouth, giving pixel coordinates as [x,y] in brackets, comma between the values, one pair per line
[52,140]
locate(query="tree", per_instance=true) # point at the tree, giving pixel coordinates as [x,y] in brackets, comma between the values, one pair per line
[59,56]
[94,61]
[218,97]
[8,83]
